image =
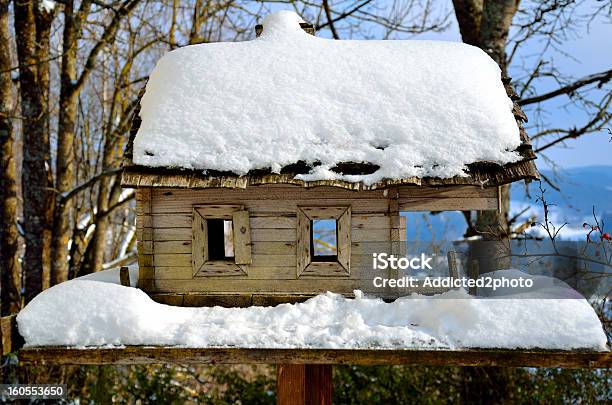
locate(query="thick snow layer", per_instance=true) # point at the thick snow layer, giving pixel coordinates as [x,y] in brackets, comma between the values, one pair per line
[415,108]
[94,313]
[112,276]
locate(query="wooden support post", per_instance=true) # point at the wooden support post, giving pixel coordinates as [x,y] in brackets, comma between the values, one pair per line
[304,384]
[473,273]
[452,264]
[124,276]
[319,386]
[397,236]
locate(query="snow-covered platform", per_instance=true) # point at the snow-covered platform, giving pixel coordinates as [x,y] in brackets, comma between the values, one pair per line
[438,357]
[102,322]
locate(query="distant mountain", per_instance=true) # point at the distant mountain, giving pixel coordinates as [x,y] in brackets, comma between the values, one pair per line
[581,189]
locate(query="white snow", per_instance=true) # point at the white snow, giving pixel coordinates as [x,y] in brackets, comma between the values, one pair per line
[47,5]
[112,276]
[83,312]
[415,108]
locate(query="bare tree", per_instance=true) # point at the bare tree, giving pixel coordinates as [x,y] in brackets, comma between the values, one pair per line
[10,281]
[71,85]
[32,28]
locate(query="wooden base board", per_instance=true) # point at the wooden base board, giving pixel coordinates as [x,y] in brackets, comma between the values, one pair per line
[246,300]
[466,357]
[227,300]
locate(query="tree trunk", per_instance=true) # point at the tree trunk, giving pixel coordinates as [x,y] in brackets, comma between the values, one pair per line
[95,261]
[44,19]
[10,281]
[32,27]
[486,24]
[65,158]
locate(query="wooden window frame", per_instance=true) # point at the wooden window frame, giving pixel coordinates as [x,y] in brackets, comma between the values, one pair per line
[202,266]
[305,265]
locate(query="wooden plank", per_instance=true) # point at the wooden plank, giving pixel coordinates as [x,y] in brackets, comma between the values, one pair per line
[199,245]
[447,204]
[227,301]
[344,240]
[274,248]
[273,223]
[184,260]
[360,257]
[167,234]
[303,242]
[182,220]
[147,284]
[242,237]
[262,248]
[323,212]
[291,384]
[268,235]
[370,221]
[148,273]
[447,192]
[268,192]
[370,235]
[143,234]
[325,269]
[10,339]
[273,260]
[273,235]
[281,207]
[221,268]
[264,235]
[268,273]
[305,285]
[395,231]
[145,247]
[280,192]
[145,261]
[217,211]
[172,220]
[172,247]
[442,357]
[168,299]
[358,234]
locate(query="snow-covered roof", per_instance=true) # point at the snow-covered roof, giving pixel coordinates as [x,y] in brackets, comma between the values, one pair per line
[408,108]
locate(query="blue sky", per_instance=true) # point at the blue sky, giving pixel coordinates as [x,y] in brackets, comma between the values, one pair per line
[592,50]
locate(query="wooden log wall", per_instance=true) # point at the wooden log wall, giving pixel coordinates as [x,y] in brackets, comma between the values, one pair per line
[165,234]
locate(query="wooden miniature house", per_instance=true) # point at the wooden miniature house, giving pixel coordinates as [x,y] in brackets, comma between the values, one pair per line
[210,237]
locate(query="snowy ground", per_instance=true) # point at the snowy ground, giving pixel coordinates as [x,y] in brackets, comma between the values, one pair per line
[96,311]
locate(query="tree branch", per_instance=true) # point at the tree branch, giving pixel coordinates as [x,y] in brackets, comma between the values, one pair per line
[89,183]
[343,15]
[329,20]
[601,118]
[109,33]
[599,78]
